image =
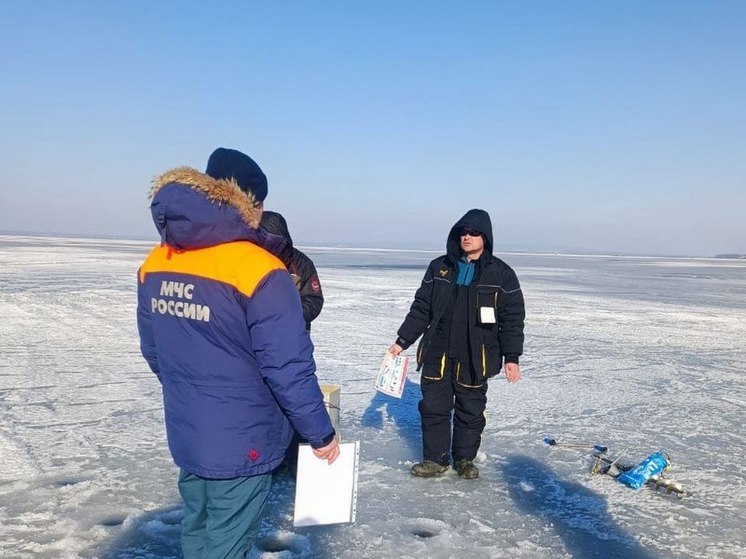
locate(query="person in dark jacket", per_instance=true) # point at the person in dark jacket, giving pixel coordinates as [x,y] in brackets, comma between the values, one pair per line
[469,311]
[299,265]
[221,326]
[305,278]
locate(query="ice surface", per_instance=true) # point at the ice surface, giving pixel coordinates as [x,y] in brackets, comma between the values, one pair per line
[635,353]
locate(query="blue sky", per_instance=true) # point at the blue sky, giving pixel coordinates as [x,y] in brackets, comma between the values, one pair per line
[604,126]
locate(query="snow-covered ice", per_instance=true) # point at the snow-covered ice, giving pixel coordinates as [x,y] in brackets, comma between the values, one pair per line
[639,354]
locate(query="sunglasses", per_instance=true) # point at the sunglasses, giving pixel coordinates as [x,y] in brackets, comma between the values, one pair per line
[470,232]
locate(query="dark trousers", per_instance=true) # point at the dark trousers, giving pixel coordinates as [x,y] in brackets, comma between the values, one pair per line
[439,399]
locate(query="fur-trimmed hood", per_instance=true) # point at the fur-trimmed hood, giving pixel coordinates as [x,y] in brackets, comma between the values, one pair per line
[192,210]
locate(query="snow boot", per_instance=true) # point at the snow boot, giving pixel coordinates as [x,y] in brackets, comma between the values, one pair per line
[466,469]
[428,468]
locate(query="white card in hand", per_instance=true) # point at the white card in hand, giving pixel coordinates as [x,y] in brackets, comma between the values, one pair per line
[392,375]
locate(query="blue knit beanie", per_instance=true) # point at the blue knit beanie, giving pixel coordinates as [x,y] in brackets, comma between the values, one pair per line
[227,163]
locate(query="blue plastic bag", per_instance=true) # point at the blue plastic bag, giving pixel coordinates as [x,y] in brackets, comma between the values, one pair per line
[640,474]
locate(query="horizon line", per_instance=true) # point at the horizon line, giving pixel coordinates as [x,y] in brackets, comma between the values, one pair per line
[332,247]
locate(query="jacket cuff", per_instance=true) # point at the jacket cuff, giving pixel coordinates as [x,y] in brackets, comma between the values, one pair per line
[401,342]
[512,358]
[325,441]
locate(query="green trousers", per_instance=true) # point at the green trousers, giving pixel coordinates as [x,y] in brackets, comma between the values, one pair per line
[221,516]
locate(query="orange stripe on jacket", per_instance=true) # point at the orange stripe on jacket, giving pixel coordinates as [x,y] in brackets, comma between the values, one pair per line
[241,264]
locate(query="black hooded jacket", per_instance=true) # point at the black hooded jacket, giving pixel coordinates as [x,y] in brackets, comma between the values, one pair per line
[490,340]
[300,266]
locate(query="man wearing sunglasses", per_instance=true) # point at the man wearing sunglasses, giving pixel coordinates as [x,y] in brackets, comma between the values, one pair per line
[470,312]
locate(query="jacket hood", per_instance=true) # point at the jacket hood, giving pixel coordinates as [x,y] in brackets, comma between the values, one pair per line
[275,225]
[192,210]
[478,220]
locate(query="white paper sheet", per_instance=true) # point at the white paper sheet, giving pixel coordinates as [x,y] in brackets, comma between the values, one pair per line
[326,493]
[392,375]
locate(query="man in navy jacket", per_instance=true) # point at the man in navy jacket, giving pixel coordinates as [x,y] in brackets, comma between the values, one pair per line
[221,325]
